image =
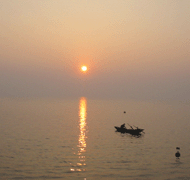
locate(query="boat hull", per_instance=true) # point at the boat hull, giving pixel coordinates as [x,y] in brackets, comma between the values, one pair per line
[130,131]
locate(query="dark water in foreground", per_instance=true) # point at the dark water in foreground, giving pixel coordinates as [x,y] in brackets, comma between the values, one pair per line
[75,139]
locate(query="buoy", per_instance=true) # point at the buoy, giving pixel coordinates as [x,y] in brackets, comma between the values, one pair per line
[177,154]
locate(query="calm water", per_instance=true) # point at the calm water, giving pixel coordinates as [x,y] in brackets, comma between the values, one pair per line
[75,139]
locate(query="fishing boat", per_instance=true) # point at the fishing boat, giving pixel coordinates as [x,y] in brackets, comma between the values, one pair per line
[132,131]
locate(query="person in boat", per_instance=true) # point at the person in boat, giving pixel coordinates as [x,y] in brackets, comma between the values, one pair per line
[123,126]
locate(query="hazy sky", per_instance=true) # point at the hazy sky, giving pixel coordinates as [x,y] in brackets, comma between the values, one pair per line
[133,48]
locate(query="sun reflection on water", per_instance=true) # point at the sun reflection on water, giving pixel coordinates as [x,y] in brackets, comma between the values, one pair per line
[80,165]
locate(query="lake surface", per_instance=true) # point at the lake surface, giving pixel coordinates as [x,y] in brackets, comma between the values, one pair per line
[75,139]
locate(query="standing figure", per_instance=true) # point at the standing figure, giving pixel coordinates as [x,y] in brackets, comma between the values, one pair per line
[123,125]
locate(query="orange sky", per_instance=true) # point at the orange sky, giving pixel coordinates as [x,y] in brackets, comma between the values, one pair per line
[132,48]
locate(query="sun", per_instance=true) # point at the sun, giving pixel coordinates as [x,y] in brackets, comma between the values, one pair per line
[84,68]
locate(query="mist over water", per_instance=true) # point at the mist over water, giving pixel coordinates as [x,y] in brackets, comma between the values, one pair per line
[133,50]
[76,139]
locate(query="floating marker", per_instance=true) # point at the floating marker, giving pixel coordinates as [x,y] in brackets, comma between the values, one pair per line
[177,154]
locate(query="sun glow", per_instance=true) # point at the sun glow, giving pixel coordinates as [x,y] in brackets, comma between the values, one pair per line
[84,68]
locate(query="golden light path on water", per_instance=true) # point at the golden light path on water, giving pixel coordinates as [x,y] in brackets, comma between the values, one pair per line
[80,166]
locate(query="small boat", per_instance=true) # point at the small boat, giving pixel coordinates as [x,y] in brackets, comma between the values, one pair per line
[133,131]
